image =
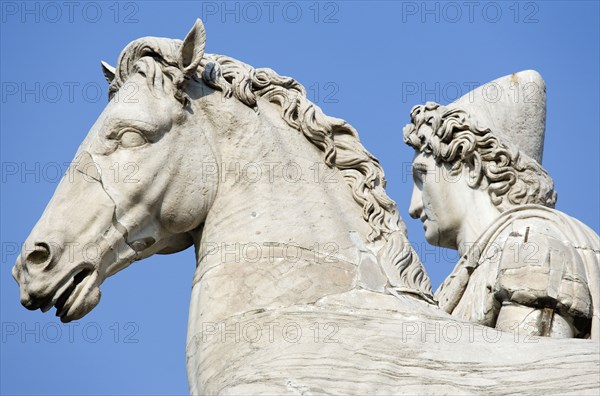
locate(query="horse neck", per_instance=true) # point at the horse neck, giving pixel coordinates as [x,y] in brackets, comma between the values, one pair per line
[275,188]
[273,239]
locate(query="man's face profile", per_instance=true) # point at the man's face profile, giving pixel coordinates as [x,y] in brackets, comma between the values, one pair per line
[437,200]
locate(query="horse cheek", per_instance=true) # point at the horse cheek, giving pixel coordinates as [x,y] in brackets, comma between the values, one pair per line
[183,211]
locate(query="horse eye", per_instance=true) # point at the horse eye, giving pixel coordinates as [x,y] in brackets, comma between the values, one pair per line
[131,139]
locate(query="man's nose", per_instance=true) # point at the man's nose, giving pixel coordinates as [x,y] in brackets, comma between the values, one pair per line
[416,204]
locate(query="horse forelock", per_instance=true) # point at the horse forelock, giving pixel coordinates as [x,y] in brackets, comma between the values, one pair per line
[164,51]
[337,139]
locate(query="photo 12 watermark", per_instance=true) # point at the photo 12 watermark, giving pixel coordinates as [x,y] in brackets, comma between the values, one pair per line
[327,12]
[69,11]
[52,172]
[449,91]
[267,331]
[453,12]
[74,332]
[52,92]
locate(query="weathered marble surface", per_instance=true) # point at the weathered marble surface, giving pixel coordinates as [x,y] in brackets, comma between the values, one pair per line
[285,248]
[379,345]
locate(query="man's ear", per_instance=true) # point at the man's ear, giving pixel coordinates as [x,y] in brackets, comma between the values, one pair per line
[192,49]
[473,170]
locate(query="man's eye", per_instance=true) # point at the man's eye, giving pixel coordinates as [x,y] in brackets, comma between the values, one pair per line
[131,139]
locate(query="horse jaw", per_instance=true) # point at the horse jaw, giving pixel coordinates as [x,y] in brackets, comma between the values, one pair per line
[177,243]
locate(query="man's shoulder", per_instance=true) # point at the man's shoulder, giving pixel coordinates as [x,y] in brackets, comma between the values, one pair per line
[535,223]
[540,261]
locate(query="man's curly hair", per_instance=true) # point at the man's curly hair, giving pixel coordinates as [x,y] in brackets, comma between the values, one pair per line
[512,178]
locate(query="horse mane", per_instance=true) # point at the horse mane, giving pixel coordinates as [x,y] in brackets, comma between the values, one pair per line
[337,139]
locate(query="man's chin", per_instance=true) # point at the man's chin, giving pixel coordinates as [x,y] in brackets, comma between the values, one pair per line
[435,238]
[432,236]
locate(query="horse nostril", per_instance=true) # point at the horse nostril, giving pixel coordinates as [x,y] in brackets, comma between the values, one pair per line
[40,255]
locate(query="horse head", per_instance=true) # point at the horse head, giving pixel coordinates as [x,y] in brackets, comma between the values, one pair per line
[133,187]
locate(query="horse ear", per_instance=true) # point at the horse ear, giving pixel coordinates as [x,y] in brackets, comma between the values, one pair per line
[108,70]
[192,49]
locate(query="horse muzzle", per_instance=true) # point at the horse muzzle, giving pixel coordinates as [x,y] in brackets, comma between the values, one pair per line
[71,248]
[74,293]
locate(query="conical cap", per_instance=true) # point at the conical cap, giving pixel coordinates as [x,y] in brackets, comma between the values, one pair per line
[513,107]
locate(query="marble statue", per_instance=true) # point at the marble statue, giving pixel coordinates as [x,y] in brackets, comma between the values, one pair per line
[305,282]
[480,188]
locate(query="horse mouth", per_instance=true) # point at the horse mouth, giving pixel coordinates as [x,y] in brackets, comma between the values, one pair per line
[76,296]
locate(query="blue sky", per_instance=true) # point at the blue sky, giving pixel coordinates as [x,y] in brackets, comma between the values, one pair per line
[366,62]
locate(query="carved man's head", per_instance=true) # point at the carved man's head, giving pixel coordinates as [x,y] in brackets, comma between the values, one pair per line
[469,156]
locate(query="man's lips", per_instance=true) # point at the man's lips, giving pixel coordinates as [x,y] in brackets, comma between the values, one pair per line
[424,220]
